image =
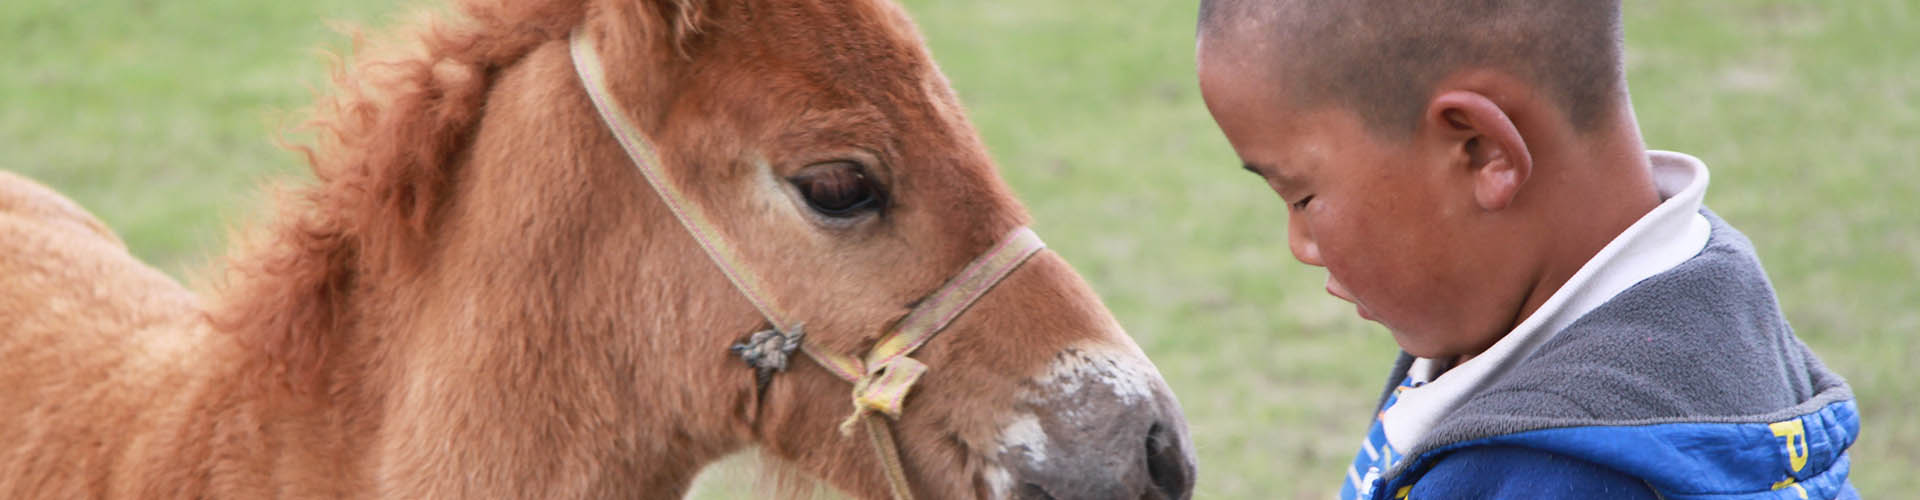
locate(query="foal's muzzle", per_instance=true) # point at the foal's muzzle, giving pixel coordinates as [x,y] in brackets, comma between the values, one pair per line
[1102,426]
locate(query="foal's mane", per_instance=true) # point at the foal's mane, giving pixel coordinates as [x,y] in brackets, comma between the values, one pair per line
[388,141]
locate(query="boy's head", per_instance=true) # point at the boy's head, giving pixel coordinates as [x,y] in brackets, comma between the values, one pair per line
[1447,161]
[1381,59]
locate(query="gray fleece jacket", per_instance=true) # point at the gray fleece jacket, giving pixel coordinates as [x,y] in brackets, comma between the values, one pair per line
[1690,380]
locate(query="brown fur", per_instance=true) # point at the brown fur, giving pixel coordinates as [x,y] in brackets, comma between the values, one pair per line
[479,296]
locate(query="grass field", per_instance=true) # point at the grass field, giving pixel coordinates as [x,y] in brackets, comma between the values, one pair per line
[158,116]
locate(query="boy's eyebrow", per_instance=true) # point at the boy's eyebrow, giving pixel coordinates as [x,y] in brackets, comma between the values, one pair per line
[1271,173]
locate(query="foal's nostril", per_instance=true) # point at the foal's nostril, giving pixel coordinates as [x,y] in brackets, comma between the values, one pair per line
[1032,491]
[1166,465]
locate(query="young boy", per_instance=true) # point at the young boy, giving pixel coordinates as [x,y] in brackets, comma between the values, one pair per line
[1575,323]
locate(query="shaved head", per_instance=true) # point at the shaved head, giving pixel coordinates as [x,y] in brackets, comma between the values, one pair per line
[1381,59]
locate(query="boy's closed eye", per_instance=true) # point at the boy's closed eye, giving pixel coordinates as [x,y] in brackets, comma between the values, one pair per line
[1280,184]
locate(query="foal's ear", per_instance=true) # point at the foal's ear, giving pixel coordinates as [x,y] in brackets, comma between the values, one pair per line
[684,19]
[677,23]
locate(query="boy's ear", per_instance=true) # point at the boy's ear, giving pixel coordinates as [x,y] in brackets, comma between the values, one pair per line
[1486,140]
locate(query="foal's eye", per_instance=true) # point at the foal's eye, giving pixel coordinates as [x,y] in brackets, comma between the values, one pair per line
[837,189]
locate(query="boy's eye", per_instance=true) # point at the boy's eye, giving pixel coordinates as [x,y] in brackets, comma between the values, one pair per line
[1302,204]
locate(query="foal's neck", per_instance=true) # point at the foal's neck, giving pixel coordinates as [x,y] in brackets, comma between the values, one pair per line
[517,355]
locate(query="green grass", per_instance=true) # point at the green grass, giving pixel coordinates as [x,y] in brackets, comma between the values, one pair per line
[159,116]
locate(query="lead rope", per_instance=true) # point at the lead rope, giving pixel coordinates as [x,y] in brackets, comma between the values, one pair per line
[882,379]
[883,446]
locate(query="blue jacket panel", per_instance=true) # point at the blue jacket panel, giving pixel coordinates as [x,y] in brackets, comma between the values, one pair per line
[1798,458]
[1487,472]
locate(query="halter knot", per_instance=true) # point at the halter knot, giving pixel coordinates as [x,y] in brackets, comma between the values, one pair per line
[768,350]
[883,390]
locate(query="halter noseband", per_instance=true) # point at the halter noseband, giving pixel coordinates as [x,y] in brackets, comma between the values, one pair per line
[883,377]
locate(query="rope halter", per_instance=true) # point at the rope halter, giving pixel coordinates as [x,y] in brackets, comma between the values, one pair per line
[881,379]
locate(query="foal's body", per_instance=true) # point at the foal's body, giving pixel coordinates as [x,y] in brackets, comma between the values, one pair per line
[126,388]
[120,386]
[479,297]
[115,383]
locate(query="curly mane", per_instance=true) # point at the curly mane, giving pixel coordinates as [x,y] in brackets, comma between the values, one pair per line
[387,145]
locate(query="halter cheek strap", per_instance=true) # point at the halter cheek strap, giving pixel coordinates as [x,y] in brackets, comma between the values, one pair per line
[881,379]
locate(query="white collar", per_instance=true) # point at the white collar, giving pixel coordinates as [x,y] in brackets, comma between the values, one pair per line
[1670,234]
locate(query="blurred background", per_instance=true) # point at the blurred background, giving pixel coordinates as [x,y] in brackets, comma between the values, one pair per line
[160,117]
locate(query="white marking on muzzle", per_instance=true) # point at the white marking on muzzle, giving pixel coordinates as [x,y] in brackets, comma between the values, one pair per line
[1121,369]
[1025,437]
[999,482]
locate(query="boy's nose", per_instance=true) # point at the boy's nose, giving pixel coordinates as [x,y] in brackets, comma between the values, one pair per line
[1300,240]
[1304,248]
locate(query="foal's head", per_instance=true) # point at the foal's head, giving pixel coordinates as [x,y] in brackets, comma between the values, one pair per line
[519,247]
[837,157]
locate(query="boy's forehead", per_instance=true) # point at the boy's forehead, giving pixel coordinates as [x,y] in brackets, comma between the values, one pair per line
[1261,37]
[1250,56]
[1246,106]
[1234,80]
[1250,78]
